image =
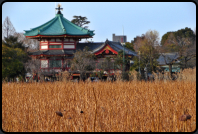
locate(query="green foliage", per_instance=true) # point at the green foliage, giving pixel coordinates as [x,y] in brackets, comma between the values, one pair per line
[148,58]
[172,48]
[12,42]
[182,33]
[185,33]
[129,46]
[13,57]
[164,38]
[100,74]
[93,74]
[136,64]
[119,60]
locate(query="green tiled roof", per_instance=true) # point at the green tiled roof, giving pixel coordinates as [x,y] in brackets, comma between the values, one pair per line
[58,26]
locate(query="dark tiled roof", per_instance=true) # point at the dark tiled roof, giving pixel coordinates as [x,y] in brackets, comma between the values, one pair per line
[118,46]
[169,57]
[95,47]
[92,46]
[53,52]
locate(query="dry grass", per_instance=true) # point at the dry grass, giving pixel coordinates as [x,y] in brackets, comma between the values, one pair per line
[120,106]
[187,75]
[183,75]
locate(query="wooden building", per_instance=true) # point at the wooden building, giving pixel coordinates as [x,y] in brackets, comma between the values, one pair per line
[59,39]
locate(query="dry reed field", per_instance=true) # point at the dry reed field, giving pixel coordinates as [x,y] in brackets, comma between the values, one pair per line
[134,106]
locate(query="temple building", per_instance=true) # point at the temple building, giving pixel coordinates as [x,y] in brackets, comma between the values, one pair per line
[59,39]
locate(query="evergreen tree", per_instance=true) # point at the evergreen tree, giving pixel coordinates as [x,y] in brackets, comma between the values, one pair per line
[130,46]
[80,21]
[13,58]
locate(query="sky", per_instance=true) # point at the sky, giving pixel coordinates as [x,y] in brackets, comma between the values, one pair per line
[106,18]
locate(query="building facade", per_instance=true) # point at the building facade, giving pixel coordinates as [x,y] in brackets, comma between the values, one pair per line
[120,38]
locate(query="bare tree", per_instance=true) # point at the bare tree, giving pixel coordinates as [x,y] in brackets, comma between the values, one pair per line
[152,41]
[152,37]
[33,66]
[32,43]
[7,28]
[106,65]
[186,49]
[138,42]
[83,61]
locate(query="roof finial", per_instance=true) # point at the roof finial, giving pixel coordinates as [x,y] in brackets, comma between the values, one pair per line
[59,8]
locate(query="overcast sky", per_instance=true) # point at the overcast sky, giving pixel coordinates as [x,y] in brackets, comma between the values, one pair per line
[107,17]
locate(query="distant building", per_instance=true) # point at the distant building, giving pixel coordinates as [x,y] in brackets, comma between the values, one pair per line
[168,58]
[120,38]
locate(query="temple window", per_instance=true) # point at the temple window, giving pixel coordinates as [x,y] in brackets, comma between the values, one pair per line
[69,46]
[44,63]
[55,63]
[44,47]
[55,46]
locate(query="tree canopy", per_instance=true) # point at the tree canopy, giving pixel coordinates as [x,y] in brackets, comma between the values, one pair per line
[148,54]
[182,33]
[130,46]
[13,58]
[80,21]
[137,42]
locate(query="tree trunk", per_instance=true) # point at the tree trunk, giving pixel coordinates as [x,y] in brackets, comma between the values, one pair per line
[185,61]
[146,73]
[152,65]
[36,77]
[170,70]
[82,76]
[142,73]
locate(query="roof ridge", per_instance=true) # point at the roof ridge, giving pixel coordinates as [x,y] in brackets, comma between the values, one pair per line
[134,53]
[60,20]
[94,50]
[113,44]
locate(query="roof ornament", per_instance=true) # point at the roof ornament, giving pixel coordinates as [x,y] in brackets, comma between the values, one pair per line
[59,8]
[106,42]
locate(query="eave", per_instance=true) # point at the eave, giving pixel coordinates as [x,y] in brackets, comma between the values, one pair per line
[56,36]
